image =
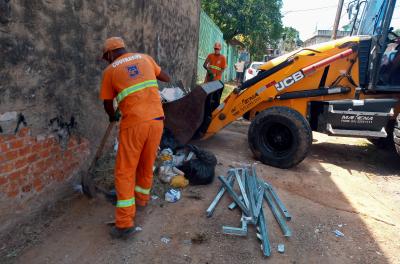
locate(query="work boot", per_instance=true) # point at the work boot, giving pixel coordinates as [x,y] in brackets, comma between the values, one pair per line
[122,233]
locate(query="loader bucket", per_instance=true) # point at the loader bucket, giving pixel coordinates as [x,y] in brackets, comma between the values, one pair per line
[189,117]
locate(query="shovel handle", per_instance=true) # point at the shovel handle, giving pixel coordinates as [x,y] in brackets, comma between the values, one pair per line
[100,149]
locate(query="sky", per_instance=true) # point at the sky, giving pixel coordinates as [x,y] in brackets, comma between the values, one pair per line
[308,15]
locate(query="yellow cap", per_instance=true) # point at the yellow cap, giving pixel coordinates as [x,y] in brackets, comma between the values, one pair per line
[113,43]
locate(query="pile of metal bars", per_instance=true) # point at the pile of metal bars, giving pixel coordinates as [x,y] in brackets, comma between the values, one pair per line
[253,191]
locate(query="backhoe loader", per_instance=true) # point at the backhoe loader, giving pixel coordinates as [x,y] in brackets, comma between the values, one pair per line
[345,87]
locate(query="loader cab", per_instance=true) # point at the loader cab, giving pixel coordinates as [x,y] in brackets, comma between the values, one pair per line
[374,18]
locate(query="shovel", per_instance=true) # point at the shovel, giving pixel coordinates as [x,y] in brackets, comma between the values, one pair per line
[88,186]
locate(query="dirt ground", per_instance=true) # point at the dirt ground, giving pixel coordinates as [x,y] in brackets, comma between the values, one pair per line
[345,184]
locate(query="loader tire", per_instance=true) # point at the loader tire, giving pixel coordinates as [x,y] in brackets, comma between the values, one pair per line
[280,137]
[396,134]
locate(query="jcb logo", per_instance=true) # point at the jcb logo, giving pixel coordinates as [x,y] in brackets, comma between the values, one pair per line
[285,83]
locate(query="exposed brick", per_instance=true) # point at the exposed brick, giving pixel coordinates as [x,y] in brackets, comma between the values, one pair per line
[6,167]
[2,158]
[45,153]
[26,188]
[72,142]
[11,155]
[12,190]
[49,142]
[20,176]
[14,176]
[4,147]
[23,132]
[39,167]
[6,138]
[37,184]
[33,157]
[19,143]
[3,180]
[68,155]
[24,151]
[55,149]
[12,193]
[21,163]
[38,146]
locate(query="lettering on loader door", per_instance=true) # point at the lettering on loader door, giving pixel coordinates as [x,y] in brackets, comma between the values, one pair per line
[357,119]
[285,83]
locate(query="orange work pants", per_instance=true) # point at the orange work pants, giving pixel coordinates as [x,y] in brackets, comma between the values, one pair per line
[137,152]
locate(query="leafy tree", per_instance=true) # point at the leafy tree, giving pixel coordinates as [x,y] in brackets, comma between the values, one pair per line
[257,22]
[291,39]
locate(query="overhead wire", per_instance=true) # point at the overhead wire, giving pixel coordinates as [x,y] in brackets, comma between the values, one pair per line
[310,9]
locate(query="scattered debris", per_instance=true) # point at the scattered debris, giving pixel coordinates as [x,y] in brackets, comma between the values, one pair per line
[138,229]
[281,248]
[338,233]
[167,169]
[154,197]
[199,238]
[187,242]
[193,195]
[172,196]
[199,166]
[253,191]
[179,181]
[165,239]
[77,187]
[171,94]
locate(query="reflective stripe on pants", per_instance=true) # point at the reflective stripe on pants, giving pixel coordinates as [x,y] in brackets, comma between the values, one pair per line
[137,152]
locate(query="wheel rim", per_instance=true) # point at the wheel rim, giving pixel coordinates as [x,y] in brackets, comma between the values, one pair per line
[277,138]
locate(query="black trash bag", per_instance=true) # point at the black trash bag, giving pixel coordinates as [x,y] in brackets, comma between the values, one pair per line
[200,170]
[168,140]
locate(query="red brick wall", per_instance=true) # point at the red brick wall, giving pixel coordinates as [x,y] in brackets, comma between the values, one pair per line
[29,164]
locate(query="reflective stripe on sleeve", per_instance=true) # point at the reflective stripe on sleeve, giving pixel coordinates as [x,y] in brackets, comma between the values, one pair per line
[135,88]
[215,68]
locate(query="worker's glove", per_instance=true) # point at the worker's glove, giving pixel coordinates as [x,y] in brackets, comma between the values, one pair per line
[210,75]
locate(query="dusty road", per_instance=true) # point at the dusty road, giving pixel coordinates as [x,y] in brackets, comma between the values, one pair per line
[345,184]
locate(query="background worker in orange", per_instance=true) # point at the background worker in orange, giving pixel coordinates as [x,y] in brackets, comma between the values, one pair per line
[131,78]
[215,64]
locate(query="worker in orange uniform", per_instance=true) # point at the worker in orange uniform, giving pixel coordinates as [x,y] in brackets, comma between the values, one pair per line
[215,64]
[131,79]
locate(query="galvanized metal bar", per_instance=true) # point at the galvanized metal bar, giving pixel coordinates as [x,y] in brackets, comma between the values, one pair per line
[277,214]
[263,228]
[278,201]
[214,203]
[235,230]
[242,187]
[259,202]
[251,190]
[233,205]
[234,196]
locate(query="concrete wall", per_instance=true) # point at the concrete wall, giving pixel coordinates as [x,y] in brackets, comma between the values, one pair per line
[51,69]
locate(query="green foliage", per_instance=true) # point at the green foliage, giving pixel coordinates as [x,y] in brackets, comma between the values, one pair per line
[291,39]
[258,22]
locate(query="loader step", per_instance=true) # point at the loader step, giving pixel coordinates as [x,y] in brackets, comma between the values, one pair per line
[356,133]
